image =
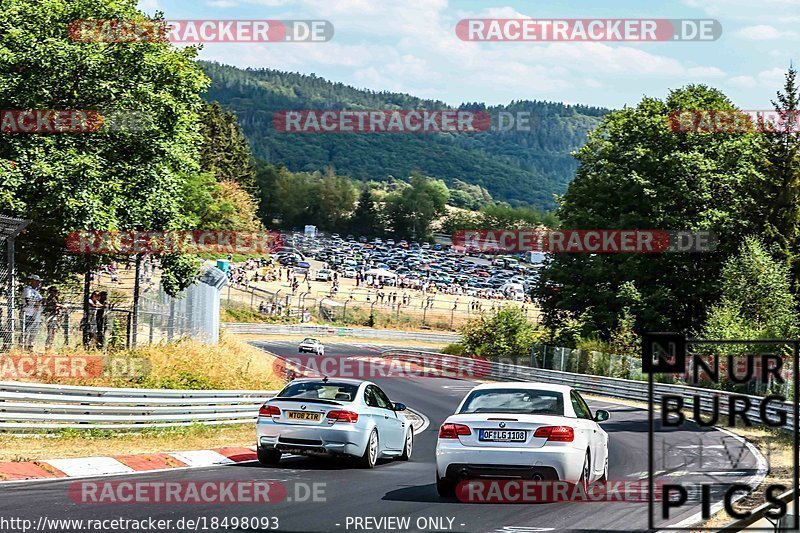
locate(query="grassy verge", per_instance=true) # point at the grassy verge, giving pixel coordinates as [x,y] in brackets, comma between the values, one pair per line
[183,364]
[91,443]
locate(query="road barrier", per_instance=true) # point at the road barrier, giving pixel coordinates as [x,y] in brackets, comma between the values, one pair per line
[32,407]
[319,331]
[603,386]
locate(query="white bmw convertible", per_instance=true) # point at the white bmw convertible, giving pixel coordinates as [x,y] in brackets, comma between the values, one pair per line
[531,431]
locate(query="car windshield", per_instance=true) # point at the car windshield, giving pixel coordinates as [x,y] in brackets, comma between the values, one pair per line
[310,341]
[317,390]
[516,401]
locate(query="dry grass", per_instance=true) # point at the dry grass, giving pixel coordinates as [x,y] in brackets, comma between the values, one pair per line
[183,364]
[99,443]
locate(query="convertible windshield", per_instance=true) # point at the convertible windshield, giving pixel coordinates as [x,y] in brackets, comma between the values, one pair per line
[517,401]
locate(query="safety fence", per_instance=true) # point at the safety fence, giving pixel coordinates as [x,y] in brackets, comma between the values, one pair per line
[322,331]
[36,407]
[600,385]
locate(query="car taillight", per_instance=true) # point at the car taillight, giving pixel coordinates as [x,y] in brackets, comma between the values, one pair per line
[269,410]
[343,416]
[452,431]
[555,433]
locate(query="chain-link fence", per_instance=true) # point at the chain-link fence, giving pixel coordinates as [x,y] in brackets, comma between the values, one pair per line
[36,315]
[627,366]
[387,307]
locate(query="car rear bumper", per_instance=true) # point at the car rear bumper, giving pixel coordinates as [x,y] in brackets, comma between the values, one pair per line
[311,440]
[560,463]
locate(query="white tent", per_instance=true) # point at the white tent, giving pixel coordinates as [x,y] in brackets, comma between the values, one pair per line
[380,273]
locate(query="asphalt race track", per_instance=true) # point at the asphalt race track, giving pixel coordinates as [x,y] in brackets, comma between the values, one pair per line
[400,489]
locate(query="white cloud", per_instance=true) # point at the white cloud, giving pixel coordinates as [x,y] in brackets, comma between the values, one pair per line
[764,32]
[222,3]
[770,79]
[705,72]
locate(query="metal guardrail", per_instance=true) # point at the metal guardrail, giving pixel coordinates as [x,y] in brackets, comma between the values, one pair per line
[31,407]
[601,385]
[366,333]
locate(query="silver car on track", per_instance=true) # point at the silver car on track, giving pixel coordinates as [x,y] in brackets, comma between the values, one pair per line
[333,417]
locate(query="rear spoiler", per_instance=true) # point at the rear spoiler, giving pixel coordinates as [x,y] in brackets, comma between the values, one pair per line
[307,400]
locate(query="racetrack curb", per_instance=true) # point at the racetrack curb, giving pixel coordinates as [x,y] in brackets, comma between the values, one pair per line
[120,465]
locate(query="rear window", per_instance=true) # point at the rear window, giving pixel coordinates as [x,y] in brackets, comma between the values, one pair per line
[515,401]
[340,392]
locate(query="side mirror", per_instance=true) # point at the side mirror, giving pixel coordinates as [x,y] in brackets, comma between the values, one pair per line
[601,416]
[399,406]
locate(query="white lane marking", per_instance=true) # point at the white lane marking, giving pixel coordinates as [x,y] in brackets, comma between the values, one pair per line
[195,458]
[755,480]
[90,466]
[425,422]
[521,529]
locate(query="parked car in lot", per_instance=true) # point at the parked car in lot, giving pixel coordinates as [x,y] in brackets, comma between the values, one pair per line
[350,272]
[345,418]
[533,431]
[323,274]
[311,345]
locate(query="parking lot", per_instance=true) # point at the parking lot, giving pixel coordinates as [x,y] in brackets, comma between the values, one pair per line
[348,279]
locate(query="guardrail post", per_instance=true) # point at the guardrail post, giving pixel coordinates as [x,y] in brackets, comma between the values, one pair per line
[66,328]
[152,327]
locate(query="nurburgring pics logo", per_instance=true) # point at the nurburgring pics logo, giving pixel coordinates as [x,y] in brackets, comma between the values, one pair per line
[583,241]
[200,31]
[734,121]
[588,30]
[173,242]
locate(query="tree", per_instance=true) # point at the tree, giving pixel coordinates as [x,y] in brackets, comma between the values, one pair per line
[756,301]
[131,179]
[635,173]
[366,219]
[225,151]
[504,334]
[412,210]
[778,208]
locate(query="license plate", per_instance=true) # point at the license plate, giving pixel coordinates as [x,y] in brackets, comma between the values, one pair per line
[302,415]
[502,435]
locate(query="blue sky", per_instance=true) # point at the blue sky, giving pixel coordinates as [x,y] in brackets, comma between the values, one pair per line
[410,46]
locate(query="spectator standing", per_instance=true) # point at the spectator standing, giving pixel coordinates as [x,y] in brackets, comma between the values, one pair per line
[100,318]
[31,311]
